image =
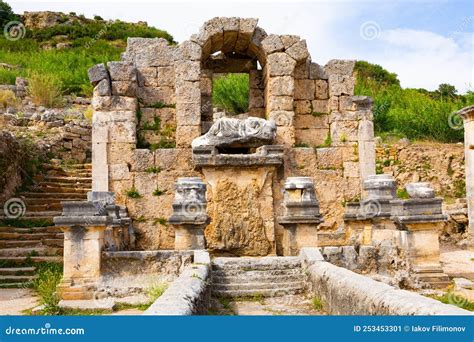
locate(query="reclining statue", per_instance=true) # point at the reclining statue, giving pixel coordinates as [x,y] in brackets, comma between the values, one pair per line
[230,132]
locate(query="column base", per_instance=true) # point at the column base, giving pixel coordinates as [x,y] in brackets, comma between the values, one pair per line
[189,237]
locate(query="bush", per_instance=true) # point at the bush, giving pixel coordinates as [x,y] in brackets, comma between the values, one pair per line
[49,276]
[6,14]
[231,93]
[7,99]
[45,90]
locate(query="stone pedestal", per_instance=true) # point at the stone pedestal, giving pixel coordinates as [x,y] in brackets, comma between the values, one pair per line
[189,213]
[301,217]
[83,224]
[421,217]
[467,115]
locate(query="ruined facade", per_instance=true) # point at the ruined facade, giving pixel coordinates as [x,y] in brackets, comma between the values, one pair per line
[149,107]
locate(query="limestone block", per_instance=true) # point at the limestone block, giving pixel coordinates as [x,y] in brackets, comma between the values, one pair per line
[334,103]
[350,153]
[142,160]
[298,51]
[312,136]
[345,103]
[277,103]
[206,108]
[255,46]
[280,64]
[329,157]
[343,116]
[282,85]
[189,50]
[231,33]
[305,158]
[303,107]
[302,70]
[304,89]
[147,77]
[257,112]
[122,71]
[124,88]
[215,31]
[174,159]
[167,116]
[122,132]
[351,169]
[120,153]
[311,121]
[206,86]
[112,103]
[119,172]
[285,135]
[344,131]
[316,72]
[188,113]
[256,79]
[321,90]
[246,29]
[146,52]
[103,118]
[282,117]
[152,95]
[288,40]
[256,98]
[340,67]
[366,130]
[341,85]
[188,92]
[420,190]
[186,134]
[320,106]
[272,43]
[188,70]
[97,73]
[103,88]
[165,76]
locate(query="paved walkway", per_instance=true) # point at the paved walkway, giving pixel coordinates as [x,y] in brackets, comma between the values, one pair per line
[15,301]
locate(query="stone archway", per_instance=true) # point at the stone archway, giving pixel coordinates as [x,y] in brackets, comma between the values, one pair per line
[243,43]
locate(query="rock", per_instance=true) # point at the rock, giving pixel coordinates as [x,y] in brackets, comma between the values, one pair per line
[420,190]
[98,73]
[227,132]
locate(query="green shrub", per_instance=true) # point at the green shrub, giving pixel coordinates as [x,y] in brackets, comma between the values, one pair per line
[133,193]
[45,90]
[49,276]
[231,93]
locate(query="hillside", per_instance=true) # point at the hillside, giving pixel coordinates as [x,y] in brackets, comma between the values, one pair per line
[62,47]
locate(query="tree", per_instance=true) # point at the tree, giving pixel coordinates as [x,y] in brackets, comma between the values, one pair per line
[6,14]
[446,91]
[369,71]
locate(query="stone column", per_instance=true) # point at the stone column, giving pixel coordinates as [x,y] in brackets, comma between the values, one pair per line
[301,217]
[467,115]
[421,217]
[83,225]
[189,213]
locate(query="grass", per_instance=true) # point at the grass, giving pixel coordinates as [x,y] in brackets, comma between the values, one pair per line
[158,192]
[161,220]
[317,303]
[8,99]
[45,90]
[402,194]
[231,93]
[49,276]
[153,169]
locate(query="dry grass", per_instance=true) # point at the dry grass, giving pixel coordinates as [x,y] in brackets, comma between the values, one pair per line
[45,90]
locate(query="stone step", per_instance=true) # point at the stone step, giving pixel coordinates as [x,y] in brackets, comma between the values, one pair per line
[14,285]
[9,279]
[56,195]
[20,260]
[256,273]
[39,214]
[261,292]
[28,233]
[67,180]
[41,201]
[62,189]
[44,207]
[253,263]
[17,270]
[254,277]
[30,251]
[32,243]
[259,286]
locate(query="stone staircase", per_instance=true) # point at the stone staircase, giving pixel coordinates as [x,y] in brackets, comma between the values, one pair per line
[33,238]
[252,276]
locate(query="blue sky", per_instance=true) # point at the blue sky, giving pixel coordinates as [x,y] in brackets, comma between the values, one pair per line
[424,42]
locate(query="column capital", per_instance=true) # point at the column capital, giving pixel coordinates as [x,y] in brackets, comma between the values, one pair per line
[466,113]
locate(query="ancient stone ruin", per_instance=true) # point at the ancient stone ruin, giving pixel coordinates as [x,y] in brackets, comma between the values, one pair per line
[295,172]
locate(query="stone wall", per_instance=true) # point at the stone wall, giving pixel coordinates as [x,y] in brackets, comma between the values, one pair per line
[152,104]
[11,160]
